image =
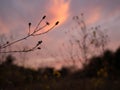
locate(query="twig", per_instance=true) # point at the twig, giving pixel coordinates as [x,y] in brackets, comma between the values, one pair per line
[34,33]
[28,50]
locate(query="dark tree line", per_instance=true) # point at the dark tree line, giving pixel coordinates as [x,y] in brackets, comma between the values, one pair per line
[107,65]
[95,76]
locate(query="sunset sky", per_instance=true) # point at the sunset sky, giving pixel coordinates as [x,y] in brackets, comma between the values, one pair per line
[16,14]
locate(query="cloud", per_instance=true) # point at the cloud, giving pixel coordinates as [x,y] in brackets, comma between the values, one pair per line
[15,15]
[3,28]
[94,16]
[59,10]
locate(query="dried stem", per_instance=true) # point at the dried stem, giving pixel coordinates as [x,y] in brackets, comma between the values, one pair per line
[34,33]
[16,51]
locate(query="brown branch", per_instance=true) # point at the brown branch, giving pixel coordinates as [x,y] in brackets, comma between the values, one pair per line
[34,33]
[28,50]
[40,22]
[32,49]
[47,30]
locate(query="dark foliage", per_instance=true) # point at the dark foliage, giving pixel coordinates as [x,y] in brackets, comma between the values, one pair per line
[9,60]
[102,73]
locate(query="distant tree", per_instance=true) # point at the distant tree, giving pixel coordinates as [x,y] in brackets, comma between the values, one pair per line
[3,39]
[64,72]
[9,60]
[117,58]
[84,43]
[105,66]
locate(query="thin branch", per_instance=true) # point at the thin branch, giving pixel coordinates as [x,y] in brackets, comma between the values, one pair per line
[17,51]
[44,32]
[9,44]
[29,28]
[34,33]
[47,30]
[40,22]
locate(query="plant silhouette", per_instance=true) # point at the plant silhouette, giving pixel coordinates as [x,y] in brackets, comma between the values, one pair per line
[102,73]
[35,32]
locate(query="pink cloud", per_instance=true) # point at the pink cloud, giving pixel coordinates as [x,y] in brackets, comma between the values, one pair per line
[94,16]
[59,10]
[3,27]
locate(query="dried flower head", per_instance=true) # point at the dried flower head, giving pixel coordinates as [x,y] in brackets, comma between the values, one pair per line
[29,23]
[44,17]
[7,42]
[47,23]
[57,23]
[38,48]
[39,42]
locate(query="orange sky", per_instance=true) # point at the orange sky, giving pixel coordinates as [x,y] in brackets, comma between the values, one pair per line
[94,16]
[15,16]
[59,10]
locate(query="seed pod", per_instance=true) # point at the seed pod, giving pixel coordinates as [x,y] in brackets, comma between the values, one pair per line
[57,23]
[29,23]
[7,42]
[44,17]
[38,48]
[47,23]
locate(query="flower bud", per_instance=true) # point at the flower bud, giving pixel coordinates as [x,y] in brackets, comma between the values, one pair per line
[38,48]
[39,42]
[7,42]
[29,24]
[57,23]
[44,17]
[47,23]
